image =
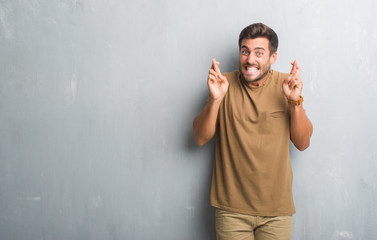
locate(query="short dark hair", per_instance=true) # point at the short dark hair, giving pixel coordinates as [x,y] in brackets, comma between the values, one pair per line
[260,30]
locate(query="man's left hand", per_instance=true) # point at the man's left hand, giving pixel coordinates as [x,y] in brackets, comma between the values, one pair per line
[292,86]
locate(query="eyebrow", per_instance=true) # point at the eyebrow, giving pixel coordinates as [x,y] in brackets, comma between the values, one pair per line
[257,48]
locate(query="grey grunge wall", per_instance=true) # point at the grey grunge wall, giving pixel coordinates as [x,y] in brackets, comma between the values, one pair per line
[97,100]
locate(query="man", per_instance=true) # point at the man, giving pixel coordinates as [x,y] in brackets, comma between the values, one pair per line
[255,111]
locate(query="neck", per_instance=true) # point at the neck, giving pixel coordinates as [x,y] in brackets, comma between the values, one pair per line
[259,81]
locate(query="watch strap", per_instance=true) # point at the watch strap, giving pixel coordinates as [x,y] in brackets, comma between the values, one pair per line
[297,102]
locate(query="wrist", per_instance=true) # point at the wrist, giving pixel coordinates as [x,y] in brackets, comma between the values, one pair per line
[296,102]
[215,100]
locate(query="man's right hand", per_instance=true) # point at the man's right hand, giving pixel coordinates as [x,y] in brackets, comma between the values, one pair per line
[217,83]
[205,123]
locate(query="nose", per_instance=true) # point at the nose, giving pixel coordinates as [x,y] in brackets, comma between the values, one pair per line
[250,59]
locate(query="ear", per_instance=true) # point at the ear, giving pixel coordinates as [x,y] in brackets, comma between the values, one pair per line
[273,58]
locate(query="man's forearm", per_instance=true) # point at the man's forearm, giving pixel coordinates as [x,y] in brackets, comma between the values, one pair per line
[301,128]
[206,122]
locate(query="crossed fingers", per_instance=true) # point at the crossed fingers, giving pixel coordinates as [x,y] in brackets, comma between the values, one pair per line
[295,68]
[215,70]
[294,80]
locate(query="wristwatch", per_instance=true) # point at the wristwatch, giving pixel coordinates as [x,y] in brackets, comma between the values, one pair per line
[296,103]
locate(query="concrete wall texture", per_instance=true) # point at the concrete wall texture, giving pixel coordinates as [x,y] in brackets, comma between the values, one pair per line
[97,100]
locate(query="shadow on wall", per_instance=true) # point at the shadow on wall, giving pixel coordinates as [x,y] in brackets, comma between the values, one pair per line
[206,213]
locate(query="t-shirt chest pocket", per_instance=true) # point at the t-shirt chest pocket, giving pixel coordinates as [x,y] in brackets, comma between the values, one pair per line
[250,116]
[273,122]
[264,123]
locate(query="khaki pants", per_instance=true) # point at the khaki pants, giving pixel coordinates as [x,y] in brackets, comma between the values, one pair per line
[236,226]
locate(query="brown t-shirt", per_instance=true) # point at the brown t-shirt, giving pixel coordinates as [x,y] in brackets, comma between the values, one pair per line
[252,172]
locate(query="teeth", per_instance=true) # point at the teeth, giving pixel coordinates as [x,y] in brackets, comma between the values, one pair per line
[252,69]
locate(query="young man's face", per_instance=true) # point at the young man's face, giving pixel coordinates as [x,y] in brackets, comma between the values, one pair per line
[255,59]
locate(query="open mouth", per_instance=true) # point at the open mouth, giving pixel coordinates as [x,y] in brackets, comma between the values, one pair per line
[251,70]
